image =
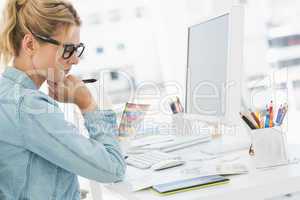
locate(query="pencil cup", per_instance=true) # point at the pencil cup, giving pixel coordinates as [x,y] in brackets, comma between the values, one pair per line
[188,124]
[269,145]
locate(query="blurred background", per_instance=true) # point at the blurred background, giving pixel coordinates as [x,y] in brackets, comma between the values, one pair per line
[141,46]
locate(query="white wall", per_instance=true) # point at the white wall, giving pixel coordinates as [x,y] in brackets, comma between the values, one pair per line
[169,22]
[137,35]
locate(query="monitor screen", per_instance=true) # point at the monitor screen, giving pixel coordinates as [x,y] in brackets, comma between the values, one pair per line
[207,67]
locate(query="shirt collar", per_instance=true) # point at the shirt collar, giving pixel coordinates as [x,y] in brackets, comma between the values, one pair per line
[19,77]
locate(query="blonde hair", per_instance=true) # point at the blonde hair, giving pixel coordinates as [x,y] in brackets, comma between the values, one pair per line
[42,17]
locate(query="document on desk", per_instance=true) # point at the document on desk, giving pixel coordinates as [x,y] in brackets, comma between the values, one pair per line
[221,169]
[231,169]
[149,180]
[155,178]
[142,183]
[151,140]
[224,169]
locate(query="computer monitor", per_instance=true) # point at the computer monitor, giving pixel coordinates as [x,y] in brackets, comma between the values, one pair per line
[215,52]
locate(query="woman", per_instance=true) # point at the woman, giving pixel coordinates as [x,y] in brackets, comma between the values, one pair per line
[41,153]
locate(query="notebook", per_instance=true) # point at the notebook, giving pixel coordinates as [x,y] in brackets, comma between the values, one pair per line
[189,184]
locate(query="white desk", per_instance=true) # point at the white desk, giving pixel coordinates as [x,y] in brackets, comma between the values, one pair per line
[257,184]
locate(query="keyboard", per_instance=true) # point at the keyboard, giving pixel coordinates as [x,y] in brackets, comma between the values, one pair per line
[146,160]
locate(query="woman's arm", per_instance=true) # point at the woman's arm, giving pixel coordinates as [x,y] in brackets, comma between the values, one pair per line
[49,135]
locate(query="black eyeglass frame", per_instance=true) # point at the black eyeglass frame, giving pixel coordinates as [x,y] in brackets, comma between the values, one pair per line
[66,46]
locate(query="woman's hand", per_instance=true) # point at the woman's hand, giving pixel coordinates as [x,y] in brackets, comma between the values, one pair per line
[73,90]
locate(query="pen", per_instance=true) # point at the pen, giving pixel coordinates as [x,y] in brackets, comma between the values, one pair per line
[262,114]
[179,104]
[257,114]
[173,108]
[248,115]
[255,118]
[262,122]
[267,121]
[284,111]
[251,150]
[271,113]
[247,121]
[279,114]
[92,80]
[177,107]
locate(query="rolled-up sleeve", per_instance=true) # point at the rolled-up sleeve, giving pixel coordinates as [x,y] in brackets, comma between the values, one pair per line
[47,134]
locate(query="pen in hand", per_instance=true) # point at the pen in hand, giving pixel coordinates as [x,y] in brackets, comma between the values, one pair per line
[92,80]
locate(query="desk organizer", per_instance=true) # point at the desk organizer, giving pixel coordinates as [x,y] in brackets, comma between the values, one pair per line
[270,148]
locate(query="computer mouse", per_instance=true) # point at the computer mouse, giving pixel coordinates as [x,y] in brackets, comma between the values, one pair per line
[167,164]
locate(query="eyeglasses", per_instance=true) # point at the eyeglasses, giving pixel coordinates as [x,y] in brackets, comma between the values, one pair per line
[69,49]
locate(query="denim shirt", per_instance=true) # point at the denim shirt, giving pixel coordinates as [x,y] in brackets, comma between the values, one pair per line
[41,153]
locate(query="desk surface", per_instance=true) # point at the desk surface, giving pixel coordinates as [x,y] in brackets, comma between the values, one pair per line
[257,184]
